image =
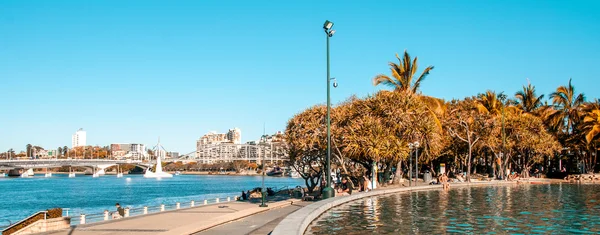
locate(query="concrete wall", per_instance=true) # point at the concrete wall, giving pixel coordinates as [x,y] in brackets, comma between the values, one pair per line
[46,226]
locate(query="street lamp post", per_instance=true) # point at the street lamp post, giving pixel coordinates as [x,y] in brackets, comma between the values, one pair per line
[328,192]
[263,191]
[410,147]
[416,146]
[502,97]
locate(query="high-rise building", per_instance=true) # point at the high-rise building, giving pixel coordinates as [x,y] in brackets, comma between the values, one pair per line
[214,147]
[127,150]
[234,135]
[78,139]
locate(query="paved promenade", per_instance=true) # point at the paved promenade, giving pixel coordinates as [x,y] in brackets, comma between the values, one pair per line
[185,221]
[258,224]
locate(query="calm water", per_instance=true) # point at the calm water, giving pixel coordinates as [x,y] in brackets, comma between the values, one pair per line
[83,194]
[516,209]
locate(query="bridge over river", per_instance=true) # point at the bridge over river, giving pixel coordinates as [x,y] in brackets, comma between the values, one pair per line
[20,166]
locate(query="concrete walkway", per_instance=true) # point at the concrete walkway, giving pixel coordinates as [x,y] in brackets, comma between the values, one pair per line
[258,224]
[184,221]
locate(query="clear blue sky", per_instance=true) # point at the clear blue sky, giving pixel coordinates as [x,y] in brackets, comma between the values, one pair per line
[131,71]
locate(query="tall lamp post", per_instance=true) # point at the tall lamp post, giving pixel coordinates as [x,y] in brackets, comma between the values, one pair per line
[410,147]
[263,191]
[502,98]
[328,191]
[416,146]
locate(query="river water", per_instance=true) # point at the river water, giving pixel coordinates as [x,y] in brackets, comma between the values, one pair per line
[21,197]
[515,209]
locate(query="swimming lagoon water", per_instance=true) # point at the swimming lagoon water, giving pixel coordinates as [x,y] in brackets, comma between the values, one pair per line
[514,209]
[83,194]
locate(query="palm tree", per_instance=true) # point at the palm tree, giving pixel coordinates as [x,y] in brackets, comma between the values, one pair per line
[489,102]
[403,75]
[527,100]
[591,123]
[567,104]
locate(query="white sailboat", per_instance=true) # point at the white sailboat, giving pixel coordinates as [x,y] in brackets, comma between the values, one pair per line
[27,173]
[48,174]
[71,173]
[119,173]
[158,172]
[95,175]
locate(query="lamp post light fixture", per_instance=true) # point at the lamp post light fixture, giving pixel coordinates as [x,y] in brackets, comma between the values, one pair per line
[410,147]
[328,192]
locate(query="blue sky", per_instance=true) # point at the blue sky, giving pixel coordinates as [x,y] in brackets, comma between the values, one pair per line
[131,71]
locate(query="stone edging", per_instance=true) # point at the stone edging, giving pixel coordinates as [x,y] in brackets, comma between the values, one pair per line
[297,222]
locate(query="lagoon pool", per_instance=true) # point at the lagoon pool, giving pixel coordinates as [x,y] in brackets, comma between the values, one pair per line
[511,209]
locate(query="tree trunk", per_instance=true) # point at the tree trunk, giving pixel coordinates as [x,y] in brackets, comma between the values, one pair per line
[469,164]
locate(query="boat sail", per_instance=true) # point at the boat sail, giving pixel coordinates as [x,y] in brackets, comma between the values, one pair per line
[158,172]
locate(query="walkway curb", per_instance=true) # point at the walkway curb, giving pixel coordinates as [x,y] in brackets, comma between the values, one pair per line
[297,222]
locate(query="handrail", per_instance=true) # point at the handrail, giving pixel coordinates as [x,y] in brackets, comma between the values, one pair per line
[23,220]
[138,211]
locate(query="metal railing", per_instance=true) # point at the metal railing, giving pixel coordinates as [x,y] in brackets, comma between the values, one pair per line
[138,211]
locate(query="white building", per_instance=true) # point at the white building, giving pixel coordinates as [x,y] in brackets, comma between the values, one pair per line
[78,139]
[234,135]
[127,150]
[214,147]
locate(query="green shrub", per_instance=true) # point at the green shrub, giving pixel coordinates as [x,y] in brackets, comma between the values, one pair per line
[54,213]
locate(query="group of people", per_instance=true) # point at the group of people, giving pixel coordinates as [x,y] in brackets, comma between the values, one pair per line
[345,187]
[246,195]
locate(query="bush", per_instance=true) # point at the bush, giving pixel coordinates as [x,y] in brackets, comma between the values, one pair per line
[54,213]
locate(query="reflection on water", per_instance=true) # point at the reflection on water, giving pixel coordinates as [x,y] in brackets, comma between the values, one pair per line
[514,209]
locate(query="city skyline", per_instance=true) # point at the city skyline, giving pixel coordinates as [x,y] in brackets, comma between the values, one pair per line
[75,138]
[187,69]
